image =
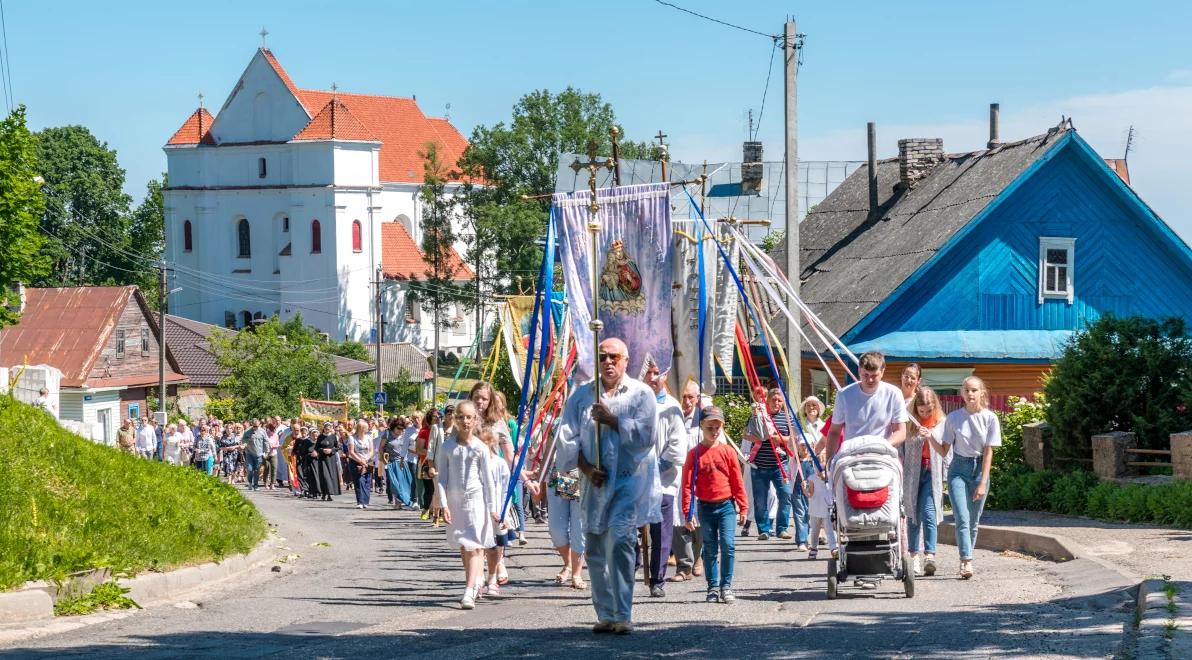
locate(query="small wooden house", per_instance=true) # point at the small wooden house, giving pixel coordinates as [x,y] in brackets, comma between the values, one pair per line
[985,262]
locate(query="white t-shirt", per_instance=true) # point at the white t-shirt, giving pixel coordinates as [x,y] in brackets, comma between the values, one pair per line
[970,433]
[869,414]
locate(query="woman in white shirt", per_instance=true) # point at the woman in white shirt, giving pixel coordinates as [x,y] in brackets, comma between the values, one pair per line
[970,433]
[360,463]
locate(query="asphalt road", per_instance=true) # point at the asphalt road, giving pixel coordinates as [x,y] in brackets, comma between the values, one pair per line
[379,583]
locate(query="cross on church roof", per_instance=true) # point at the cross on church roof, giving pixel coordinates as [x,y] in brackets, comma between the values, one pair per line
[264,33]
[200,99]
[661,137]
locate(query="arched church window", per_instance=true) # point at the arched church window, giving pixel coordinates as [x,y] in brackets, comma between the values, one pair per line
[186,239]
[243,239]
[357,236]
[316,237]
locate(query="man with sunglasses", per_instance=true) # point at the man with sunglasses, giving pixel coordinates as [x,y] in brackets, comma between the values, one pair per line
[621,474]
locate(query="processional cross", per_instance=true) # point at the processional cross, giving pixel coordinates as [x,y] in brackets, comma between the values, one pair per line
[593,166]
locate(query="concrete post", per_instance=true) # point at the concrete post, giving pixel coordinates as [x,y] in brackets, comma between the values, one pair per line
[1109,454]
[1181,455]
[1036,445]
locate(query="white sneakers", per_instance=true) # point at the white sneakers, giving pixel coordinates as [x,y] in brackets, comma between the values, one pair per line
[916,566]
[469,600]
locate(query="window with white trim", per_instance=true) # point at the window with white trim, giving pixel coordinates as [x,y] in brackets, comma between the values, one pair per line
[1056,264]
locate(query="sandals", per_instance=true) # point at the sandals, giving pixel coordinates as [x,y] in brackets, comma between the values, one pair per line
[563,577]
[503,579]
[966,569]
[577,583]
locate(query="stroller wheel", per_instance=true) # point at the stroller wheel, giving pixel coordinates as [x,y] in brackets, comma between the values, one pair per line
[832,579]
[908,576]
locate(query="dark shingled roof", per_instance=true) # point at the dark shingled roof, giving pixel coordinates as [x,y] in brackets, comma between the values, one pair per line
[187,340]
[401,360]
[852,261]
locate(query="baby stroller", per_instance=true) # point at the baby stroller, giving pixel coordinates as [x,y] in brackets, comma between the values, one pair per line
[866,477]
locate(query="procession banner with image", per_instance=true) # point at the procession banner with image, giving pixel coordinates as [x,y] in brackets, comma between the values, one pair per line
[635,271]
[516,317]
[685,311]
[324,411]
[724,315]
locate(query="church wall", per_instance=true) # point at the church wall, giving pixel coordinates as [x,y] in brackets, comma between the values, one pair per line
[260,108]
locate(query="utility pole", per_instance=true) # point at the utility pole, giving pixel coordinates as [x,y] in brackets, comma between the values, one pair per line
[380,327]
[161,337]
[794,351]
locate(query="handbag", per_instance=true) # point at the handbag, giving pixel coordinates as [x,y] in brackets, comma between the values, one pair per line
[566,484]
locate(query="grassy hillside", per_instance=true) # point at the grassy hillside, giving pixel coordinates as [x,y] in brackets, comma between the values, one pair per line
[67,505]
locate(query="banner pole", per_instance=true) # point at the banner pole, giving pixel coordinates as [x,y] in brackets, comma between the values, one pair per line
[593,166]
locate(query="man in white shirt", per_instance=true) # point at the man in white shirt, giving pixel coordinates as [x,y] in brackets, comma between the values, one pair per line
[870,406]
[45,403]
[147,439]
[670,443]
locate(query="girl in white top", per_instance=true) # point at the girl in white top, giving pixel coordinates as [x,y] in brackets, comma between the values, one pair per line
[171,445]
[466,493]
[970,433]
[499,473]
[819,510]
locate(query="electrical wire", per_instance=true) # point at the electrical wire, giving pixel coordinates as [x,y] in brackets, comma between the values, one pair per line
[760,113]
[716,20]
[9,97]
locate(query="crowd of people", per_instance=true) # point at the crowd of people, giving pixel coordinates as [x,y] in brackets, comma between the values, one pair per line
[660,486]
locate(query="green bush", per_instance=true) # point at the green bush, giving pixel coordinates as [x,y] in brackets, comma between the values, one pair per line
[1022,411]
[1121,374]
[736,414]
[1081,494]
[70,505]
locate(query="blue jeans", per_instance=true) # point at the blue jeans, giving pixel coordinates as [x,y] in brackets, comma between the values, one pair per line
[761,485]
[799,503]
[611,566]
[718,521]
[924,518]
[963,478]
[252,469]
[361,482]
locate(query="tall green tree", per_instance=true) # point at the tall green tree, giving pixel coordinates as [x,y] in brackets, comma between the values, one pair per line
[87,217]
[21,208]
[268,372]
[439,288]
[521,158]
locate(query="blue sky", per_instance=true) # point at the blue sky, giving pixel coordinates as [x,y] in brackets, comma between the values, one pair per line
[130,71]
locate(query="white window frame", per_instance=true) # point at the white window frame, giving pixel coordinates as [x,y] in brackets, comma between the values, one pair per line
[1057,243]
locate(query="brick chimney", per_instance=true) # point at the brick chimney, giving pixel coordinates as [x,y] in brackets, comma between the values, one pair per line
[916,158]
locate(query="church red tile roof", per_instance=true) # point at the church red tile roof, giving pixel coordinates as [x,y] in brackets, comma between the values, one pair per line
[335,122]
[195,130]
[401,258]
[396,122]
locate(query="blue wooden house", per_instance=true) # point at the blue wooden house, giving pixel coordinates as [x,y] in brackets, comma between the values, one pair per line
[986,262]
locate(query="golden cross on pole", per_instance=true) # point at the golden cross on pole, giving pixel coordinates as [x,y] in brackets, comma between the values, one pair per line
[593,166]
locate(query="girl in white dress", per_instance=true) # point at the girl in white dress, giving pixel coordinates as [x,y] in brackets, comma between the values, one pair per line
[500,480]
[467,495]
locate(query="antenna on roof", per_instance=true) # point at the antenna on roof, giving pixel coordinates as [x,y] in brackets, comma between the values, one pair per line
[750,134]
[264,33]
[1129,143]
[447,113]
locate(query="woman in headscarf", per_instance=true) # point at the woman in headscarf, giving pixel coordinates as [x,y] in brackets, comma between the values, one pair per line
[327,463]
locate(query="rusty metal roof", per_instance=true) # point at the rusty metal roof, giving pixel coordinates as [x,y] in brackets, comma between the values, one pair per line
[68,328]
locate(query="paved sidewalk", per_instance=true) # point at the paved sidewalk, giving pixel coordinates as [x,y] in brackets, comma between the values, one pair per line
[1135,551]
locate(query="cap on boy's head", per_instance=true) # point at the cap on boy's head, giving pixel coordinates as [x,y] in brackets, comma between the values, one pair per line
[712,413]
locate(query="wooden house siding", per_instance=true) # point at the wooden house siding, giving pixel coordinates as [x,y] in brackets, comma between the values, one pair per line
[1002,378]
[132,321]
[1123,262]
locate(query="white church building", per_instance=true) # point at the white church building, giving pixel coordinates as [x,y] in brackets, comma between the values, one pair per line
[292,200]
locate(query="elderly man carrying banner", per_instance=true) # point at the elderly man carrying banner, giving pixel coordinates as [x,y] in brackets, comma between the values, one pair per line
[620,495]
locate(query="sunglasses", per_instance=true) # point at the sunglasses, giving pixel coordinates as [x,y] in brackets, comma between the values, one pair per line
[606,357]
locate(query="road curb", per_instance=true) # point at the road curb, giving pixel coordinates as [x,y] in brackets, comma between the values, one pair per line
[1164,623]
[999,539]
[35,603]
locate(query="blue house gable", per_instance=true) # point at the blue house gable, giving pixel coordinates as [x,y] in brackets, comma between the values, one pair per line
[1065,241]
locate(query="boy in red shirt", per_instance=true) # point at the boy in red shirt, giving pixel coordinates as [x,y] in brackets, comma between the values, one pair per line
[713,475]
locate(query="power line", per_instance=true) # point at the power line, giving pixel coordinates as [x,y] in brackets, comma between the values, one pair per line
[12,99]
[769,70]
[717,20]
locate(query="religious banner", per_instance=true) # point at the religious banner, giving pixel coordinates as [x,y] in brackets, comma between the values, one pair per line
[685,311]
[634,272]
[516,317]
[324,411]
[724,313]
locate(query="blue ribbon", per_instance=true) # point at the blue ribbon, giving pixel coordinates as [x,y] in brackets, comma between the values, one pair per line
[765,342]
[542,315]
